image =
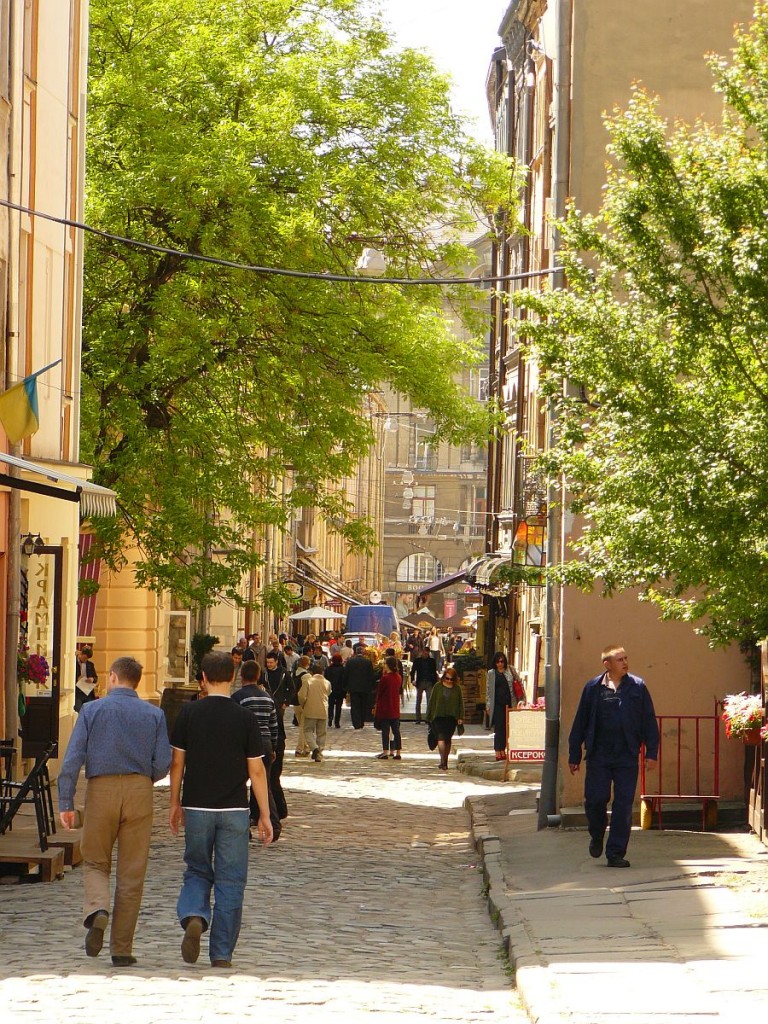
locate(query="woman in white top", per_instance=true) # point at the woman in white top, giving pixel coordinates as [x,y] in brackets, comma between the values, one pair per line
[436,648]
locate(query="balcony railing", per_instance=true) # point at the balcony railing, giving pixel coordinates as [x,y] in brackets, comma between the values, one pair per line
[426,463]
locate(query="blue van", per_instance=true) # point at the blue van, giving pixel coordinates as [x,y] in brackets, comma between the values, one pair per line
[369,619]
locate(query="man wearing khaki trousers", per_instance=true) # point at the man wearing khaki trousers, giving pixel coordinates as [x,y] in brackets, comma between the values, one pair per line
[123,742]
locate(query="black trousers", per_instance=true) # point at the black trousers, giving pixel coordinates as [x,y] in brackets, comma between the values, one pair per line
[602,773]
[274,815]
[426,690]
[499,726]
[275,785]
[394,725]
[358,706]
[335,704]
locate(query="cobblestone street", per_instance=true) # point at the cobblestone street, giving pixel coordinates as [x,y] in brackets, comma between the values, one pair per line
[370,905]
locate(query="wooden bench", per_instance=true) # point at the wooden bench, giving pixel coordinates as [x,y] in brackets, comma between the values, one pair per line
[650,805]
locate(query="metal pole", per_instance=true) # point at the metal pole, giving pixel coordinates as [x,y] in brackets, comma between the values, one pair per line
[555,492]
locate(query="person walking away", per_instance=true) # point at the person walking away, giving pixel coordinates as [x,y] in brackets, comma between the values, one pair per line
[423,677]
[279,686]
[399,668]
[503,686]
[216,748]
[335,676]
[391,653]
[123,742]
[359,683]
[614,719]
[388,710]
[254,698]
[436,648]
[302,670]
[313,698]
[86,678]
[445,712]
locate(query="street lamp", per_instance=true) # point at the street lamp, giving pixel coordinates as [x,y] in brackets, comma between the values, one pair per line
[372,263]
[31,544]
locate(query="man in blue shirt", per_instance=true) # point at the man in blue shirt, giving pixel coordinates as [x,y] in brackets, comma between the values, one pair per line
[615,718]
[123,742]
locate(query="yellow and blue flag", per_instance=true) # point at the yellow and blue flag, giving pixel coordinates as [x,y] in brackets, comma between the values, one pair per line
[18,407]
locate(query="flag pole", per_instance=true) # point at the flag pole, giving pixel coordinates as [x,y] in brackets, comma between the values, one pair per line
[50,366]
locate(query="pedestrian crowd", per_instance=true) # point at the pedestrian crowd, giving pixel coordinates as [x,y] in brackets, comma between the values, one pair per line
[225,755]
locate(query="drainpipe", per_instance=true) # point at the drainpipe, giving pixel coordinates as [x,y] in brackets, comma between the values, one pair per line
[555,492]
[13,555]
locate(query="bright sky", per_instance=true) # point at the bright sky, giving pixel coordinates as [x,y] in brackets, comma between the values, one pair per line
[461,35]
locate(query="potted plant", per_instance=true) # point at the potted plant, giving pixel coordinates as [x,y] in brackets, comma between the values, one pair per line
[201,644]
[743,717]
[32,667]
[468,663]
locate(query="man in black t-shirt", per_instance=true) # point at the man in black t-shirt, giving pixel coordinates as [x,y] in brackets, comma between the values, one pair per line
[216,748]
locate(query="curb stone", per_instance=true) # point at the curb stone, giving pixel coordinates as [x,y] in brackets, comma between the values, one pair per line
[535,986]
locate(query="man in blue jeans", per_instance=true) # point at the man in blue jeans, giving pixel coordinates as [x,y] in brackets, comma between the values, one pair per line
[216,748]
[615,718]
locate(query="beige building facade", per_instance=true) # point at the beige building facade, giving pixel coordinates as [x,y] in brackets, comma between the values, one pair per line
[435,506]
[562,65]
[44,495]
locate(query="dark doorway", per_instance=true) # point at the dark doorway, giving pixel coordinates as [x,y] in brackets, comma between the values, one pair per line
[41,586]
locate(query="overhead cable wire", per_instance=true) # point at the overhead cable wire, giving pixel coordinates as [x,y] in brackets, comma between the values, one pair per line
[486,281]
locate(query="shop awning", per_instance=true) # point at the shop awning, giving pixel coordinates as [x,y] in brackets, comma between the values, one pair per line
[303,572]
[86,602]
[446,581]
[484,574]
[93,499]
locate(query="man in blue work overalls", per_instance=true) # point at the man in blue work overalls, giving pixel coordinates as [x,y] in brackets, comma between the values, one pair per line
[615,718]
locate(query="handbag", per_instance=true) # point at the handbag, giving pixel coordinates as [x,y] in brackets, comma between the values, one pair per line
[459,730]
[486,719]
[431,736]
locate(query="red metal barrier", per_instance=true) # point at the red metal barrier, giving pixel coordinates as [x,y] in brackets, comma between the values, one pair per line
[688,768]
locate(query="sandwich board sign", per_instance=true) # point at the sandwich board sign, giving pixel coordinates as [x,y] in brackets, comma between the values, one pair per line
[525,735]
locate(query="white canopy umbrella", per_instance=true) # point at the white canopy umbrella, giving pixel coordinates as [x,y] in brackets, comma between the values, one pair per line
[316,612]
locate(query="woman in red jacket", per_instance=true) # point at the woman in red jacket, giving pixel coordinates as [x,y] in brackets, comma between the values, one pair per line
[388,710]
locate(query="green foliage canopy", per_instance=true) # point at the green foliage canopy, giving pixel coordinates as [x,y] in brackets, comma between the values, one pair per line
[278,135]
[661,338]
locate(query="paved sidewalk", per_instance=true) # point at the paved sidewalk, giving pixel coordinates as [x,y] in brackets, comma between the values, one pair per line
[369,908]
[665,941]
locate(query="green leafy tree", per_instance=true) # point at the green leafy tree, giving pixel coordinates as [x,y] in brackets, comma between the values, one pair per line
[275,135]
[661,338]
